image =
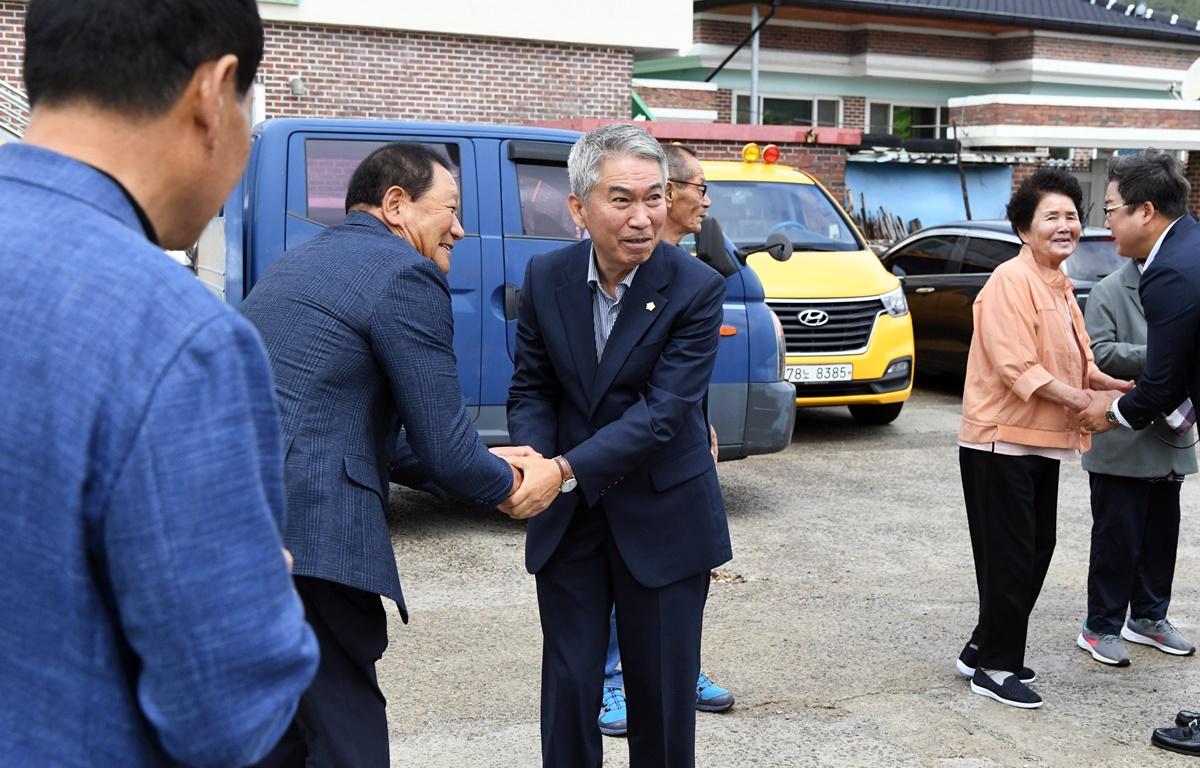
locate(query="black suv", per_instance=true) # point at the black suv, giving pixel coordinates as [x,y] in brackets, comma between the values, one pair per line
[943,269]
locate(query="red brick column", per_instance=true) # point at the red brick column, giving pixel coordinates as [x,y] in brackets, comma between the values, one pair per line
[1193,176]
[854,112]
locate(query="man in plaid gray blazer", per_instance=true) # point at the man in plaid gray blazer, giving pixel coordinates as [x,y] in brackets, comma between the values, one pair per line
[358,326]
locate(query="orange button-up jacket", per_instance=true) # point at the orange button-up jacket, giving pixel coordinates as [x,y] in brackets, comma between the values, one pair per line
[1021,343]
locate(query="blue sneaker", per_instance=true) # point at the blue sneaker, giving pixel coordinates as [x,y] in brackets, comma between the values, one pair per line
[612,713]
[711,697]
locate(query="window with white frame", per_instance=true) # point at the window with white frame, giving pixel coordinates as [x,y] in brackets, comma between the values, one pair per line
[909,121]
[776,110]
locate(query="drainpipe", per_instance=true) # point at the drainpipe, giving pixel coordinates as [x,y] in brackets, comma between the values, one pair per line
[753,57]
[755,118]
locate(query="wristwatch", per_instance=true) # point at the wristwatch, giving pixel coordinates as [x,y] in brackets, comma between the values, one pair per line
[1110,415]
[568,475]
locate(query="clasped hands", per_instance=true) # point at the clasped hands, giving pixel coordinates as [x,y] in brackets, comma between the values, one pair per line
[536,481]
[1092,404]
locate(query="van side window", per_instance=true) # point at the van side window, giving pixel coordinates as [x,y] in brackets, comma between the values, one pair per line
[329,163]
[927,256]
[544,189]
[984,254]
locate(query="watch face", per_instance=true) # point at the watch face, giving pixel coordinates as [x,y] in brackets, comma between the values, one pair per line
[568,485]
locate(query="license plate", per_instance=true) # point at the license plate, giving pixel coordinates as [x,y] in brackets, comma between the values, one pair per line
[818,374]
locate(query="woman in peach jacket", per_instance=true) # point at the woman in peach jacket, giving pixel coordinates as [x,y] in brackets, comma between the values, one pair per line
[1029,372]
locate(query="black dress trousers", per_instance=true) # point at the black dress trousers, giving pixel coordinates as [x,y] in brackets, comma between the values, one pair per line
[1012,510]
[659,632]
[1135,532]
[342,718]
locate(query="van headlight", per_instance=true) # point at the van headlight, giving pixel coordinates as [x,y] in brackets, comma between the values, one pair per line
[780,345]
[895,303]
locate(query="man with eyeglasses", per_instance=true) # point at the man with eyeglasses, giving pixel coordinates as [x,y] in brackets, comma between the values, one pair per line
[1145,206]
[687,207]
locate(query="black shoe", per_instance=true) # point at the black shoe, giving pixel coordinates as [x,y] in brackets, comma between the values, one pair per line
[1014,693]
[1185,740]
[969,659]
[1186,717]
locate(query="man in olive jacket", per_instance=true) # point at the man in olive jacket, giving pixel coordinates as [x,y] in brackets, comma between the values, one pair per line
[1135,480]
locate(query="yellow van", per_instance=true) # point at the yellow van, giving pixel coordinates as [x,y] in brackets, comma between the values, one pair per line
[845,318]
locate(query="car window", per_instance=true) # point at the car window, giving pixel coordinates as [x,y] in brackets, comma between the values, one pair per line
[751,211]
[544,189]
[926,256]
[982,254]
[329,164]
[1093,259]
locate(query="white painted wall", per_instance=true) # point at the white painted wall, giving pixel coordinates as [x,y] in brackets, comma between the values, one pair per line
[657,24]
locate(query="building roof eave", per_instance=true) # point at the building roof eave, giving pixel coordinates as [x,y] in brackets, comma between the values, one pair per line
[1103,21]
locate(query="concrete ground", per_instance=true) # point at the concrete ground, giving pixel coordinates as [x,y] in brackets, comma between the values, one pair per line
[836,624]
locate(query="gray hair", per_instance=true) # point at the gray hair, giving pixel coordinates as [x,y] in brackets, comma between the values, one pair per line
[599,144]
[677,159]
[1152,176]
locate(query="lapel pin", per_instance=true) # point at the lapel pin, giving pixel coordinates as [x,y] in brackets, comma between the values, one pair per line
[649,306]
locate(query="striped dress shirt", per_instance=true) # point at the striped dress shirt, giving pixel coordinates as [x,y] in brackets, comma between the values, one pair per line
[605,309]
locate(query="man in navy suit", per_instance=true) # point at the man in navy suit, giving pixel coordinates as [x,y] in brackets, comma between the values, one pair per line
[616,339]
[1145,204]
[358,327]
[146,613]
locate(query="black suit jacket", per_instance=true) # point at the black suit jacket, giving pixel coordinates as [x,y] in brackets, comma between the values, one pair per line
[1170,293]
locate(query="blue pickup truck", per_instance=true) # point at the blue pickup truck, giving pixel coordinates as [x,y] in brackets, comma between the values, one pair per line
[514,190]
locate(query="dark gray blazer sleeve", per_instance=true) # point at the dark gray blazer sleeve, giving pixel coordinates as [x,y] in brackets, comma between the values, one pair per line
[1107,310]
[412,336]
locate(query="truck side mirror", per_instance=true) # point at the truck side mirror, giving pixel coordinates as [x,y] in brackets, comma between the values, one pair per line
[710,248]
[779,247]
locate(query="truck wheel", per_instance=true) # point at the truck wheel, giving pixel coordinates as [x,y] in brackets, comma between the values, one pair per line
[874,415]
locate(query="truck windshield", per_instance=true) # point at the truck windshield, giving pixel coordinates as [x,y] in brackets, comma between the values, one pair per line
[751,211]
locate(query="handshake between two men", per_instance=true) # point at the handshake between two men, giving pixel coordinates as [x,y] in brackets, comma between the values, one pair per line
[536,481]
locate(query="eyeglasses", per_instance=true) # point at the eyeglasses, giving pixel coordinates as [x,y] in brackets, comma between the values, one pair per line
[1108,211]
[702,187]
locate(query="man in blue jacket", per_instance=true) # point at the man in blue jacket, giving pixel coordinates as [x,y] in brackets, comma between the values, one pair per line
[359,329]
[616,340]
[146,613]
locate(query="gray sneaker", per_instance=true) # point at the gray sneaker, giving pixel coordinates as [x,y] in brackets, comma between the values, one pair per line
[1107,649]
[1159,634]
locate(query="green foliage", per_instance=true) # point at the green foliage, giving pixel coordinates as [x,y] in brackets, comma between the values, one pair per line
[1187,9]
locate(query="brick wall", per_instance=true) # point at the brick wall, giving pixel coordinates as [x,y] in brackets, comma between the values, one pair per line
[1193,176]
[774,36]
[1022,171]
[1048,114]
[680,98]
[12,52]
[828,164]
[725,105]
[854,112]
[1114,53]
[925,46]
[849,42]
[1012,48]
[12,42]
[351,72]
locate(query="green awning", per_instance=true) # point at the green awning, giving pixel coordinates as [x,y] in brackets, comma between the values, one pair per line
[639,108]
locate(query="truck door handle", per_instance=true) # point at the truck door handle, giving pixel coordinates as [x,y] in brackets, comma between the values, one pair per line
[512,298]
[925,289]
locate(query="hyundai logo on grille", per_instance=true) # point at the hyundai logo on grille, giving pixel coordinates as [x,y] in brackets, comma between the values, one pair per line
[814,318]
